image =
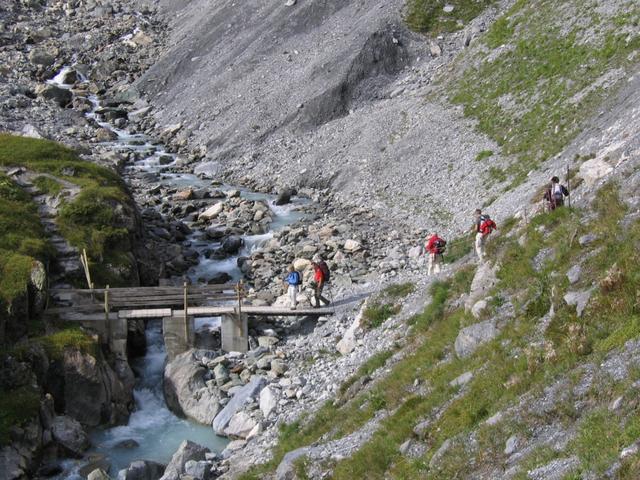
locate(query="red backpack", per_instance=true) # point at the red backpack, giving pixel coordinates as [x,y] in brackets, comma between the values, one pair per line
[486,225]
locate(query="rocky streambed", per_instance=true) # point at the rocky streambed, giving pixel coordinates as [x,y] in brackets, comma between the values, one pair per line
[76,87]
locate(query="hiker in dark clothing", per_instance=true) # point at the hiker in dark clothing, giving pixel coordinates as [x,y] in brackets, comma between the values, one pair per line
[555,193]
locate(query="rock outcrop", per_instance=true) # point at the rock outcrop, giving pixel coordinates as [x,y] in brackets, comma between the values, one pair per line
[187,390]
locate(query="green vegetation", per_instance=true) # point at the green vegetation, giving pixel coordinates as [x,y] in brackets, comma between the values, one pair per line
[375,314]
[533,96]
[386,304]
[428,16]
[70,338]
[21,241]
[484,154]
[518,364]
[48,185]
[53,158]
[92,220]
[17,407]
[458,248]
[399,290]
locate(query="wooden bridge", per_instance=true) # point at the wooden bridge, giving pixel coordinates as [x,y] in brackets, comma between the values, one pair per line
[108,311]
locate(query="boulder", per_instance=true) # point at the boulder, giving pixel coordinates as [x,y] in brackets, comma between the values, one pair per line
[98,474]
[70,435]
[574,274]
[56,94]
[12,464]
[232,245]
[287,468]
[186,452]
[87,389]
[42,57]
[268,400]
[348,342]
[212,212]
[240,426]
[579,300]
[470,338]
[200,470]
[284,197]
[245,394]
[478,307]
[278,367]
[593,170]
[219,278]
[185,389]
[352,246]
[483,281]
[143,470]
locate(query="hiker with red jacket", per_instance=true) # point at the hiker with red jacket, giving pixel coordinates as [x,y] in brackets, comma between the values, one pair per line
[435,247]
[321,276]
[482,227]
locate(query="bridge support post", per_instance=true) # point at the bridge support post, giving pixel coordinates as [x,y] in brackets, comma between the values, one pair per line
[117,334]
[235,332]
[178,335]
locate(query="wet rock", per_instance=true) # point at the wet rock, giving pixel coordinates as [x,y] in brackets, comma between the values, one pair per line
[188,451]
[70,435]
[143,470]
[212,212]
[186,391]
[220,278]
[284,197]
[128,444]
[232,245]
[98,474]
[60,96]
[199,470]
[89,390]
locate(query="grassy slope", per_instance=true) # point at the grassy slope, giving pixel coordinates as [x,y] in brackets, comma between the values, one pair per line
[89,221]
[533,97]
[520,361]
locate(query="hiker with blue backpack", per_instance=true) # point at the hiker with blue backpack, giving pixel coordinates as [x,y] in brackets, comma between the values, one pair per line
[293,280]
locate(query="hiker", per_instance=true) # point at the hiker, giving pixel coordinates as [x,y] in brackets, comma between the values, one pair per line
[483,226]
[321,276]
[293,282]
[555,193]
[435,247]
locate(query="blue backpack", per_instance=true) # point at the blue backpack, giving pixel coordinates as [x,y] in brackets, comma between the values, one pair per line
[294,278]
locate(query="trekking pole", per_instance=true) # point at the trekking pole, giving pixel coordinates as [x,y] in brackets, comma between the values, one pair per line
[568,188]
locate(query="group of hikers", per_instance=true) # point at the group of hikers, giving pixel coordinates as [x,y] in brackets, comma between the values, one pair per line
[434,247]
[321,276]
[483,225]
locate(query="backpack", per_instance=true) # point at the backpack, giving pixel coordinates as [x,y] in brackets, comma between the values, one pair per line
[440,245]
[294,278]
[486,225]
[324,268]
